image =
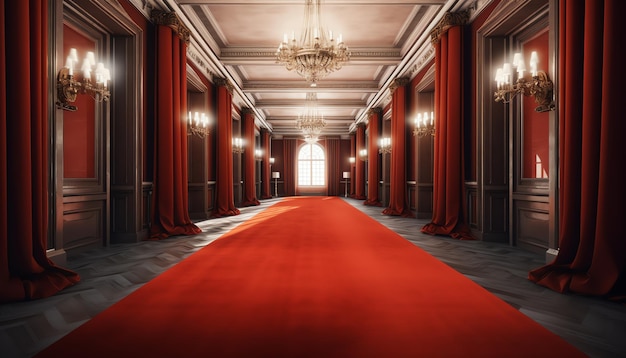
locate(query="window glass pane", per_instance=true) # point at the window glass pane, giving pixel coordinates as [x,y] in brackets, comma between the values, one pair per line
[317,152]
[317,173]
[304,173]
[311,165]
[305,153]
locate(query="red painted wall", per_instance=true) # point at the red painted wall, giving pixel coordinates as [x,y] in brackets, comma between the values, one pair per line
[79,126]
[535,143]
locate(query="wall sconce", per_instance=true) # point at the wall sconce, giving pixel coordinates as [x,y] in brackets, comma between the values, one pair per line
[384,145]
[538,85]
[424,124]
[258,154]
[237,145]
[352,160]
[272,160]
[198,125]
[363,155]
[93,81]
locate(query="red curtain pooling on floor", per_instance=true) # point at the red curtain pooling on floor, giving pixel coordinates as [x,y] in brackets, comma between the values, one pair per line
[448,186]
[592,249]
[359,171]
[249,172]
[224,190]
[266,190]
[25,271]
[375,116]
[398,205]
[170,215]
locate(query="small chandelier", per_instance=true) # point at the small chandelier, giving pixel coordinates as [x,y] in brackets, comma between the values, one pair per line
[424,125]
[238,146]
[311,122]
[198,125]
[539,85]
[384,145]
[318,53]
[92,80]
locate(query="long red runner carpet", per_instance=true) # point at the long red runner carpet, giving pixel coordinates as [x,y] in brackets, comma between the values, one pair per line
[311,277]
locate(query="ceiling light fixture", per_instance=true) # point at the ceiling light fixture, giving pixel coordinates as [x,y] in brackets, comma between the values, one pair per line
[318,53]
[311,122]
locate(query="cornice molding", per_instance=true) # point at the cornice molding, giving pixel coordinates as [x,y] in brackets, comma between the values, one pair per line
[200,62]
[145,6]
[397,83]
[450,19]
[223,82]
[374,111]
[171,20]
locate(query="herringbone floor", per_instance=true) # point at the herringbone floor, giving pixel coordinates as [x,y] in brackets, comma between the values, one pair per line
[595,326]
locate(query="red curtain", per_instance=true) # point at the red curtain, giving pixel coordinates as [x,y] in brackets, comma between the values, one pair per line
[333,156]
[289,162]
[375,117]
[170,215]
[448,187]
[397,183]
[592,250]
[359,177]
[266,190]
[25,271]
[249,171]
[353,153]
[225,192]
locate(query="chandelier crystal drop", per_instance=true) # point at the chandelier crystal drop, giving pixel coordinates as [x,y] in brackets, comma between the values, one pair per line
[317,53]
[311,122]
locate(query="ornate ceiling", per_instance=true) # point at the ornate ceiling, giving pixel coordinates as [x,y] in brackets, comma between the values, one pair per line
[237,39]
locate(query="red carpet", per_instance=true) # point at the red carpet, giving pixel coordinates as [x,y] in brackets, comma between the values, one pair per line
[311,277]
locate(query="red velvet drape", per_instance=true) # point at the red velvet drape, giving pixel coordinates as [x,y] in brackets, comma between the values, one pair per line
[359,176]
[225,192]
[375,116]
[249,170]
[25,271]
[398,204]
[289,162]
[592,249]
[353,153]
[170,215]
[333,156]
[448,187]
[266,190]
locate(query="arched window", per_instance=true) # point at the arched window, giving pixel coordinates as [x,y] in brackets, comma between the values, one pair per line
[311,165]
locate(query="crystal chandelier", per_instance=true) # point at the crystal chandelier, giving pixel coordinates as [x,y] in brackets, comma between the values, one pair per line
[318,53]
[311,122]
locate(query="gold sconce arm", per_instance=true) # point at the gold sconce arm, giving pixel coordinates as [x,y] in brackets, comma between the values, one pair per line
[539,86]
[92,80]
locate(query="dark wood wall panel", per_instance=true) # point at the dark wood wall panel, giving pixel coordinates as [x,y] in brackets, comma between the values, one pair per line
[532,225]
[496,224]
[197,207]
[82,224]
[425,201]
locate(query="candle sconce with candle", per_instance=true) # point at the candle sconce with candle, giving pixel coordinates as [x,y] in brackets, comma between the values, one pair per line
[198,125]
[538,84]
[424,124]
[93,80]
